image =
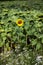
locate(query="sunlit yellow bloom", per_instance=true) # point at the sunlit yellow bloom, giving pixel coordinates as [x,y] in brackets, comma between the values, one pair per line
[20,22]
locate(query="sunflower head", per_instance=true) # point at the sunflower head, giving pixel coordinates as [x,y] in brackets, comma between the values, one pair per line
[20,22]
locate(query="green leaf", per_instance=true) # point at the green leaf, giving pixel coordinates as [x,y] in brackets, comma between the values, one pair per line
[38,46]
[42,40]
[1,44]
[34,42]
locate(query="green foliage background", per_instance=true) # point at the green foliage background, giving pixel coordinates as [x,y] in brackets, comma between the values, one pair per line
[33,23]
[27,40]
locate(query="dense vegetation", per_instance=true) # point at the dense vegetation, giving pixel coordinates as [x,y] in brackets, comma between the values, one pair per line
[21,32]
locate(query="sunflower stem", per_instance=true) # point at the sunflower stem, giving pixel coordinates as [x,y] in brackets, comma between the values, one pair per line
[26,39]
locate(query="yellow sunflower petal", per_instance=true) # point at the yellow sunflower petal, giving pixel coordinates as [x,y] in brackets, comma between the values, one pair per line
[20,22]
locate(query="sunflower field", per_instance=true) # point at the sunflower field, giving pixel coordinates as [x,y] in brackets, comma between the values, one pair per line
[21,33]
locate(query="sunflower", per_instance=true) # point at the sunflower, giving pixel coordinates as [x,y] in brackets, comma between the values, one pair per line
[20,22]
